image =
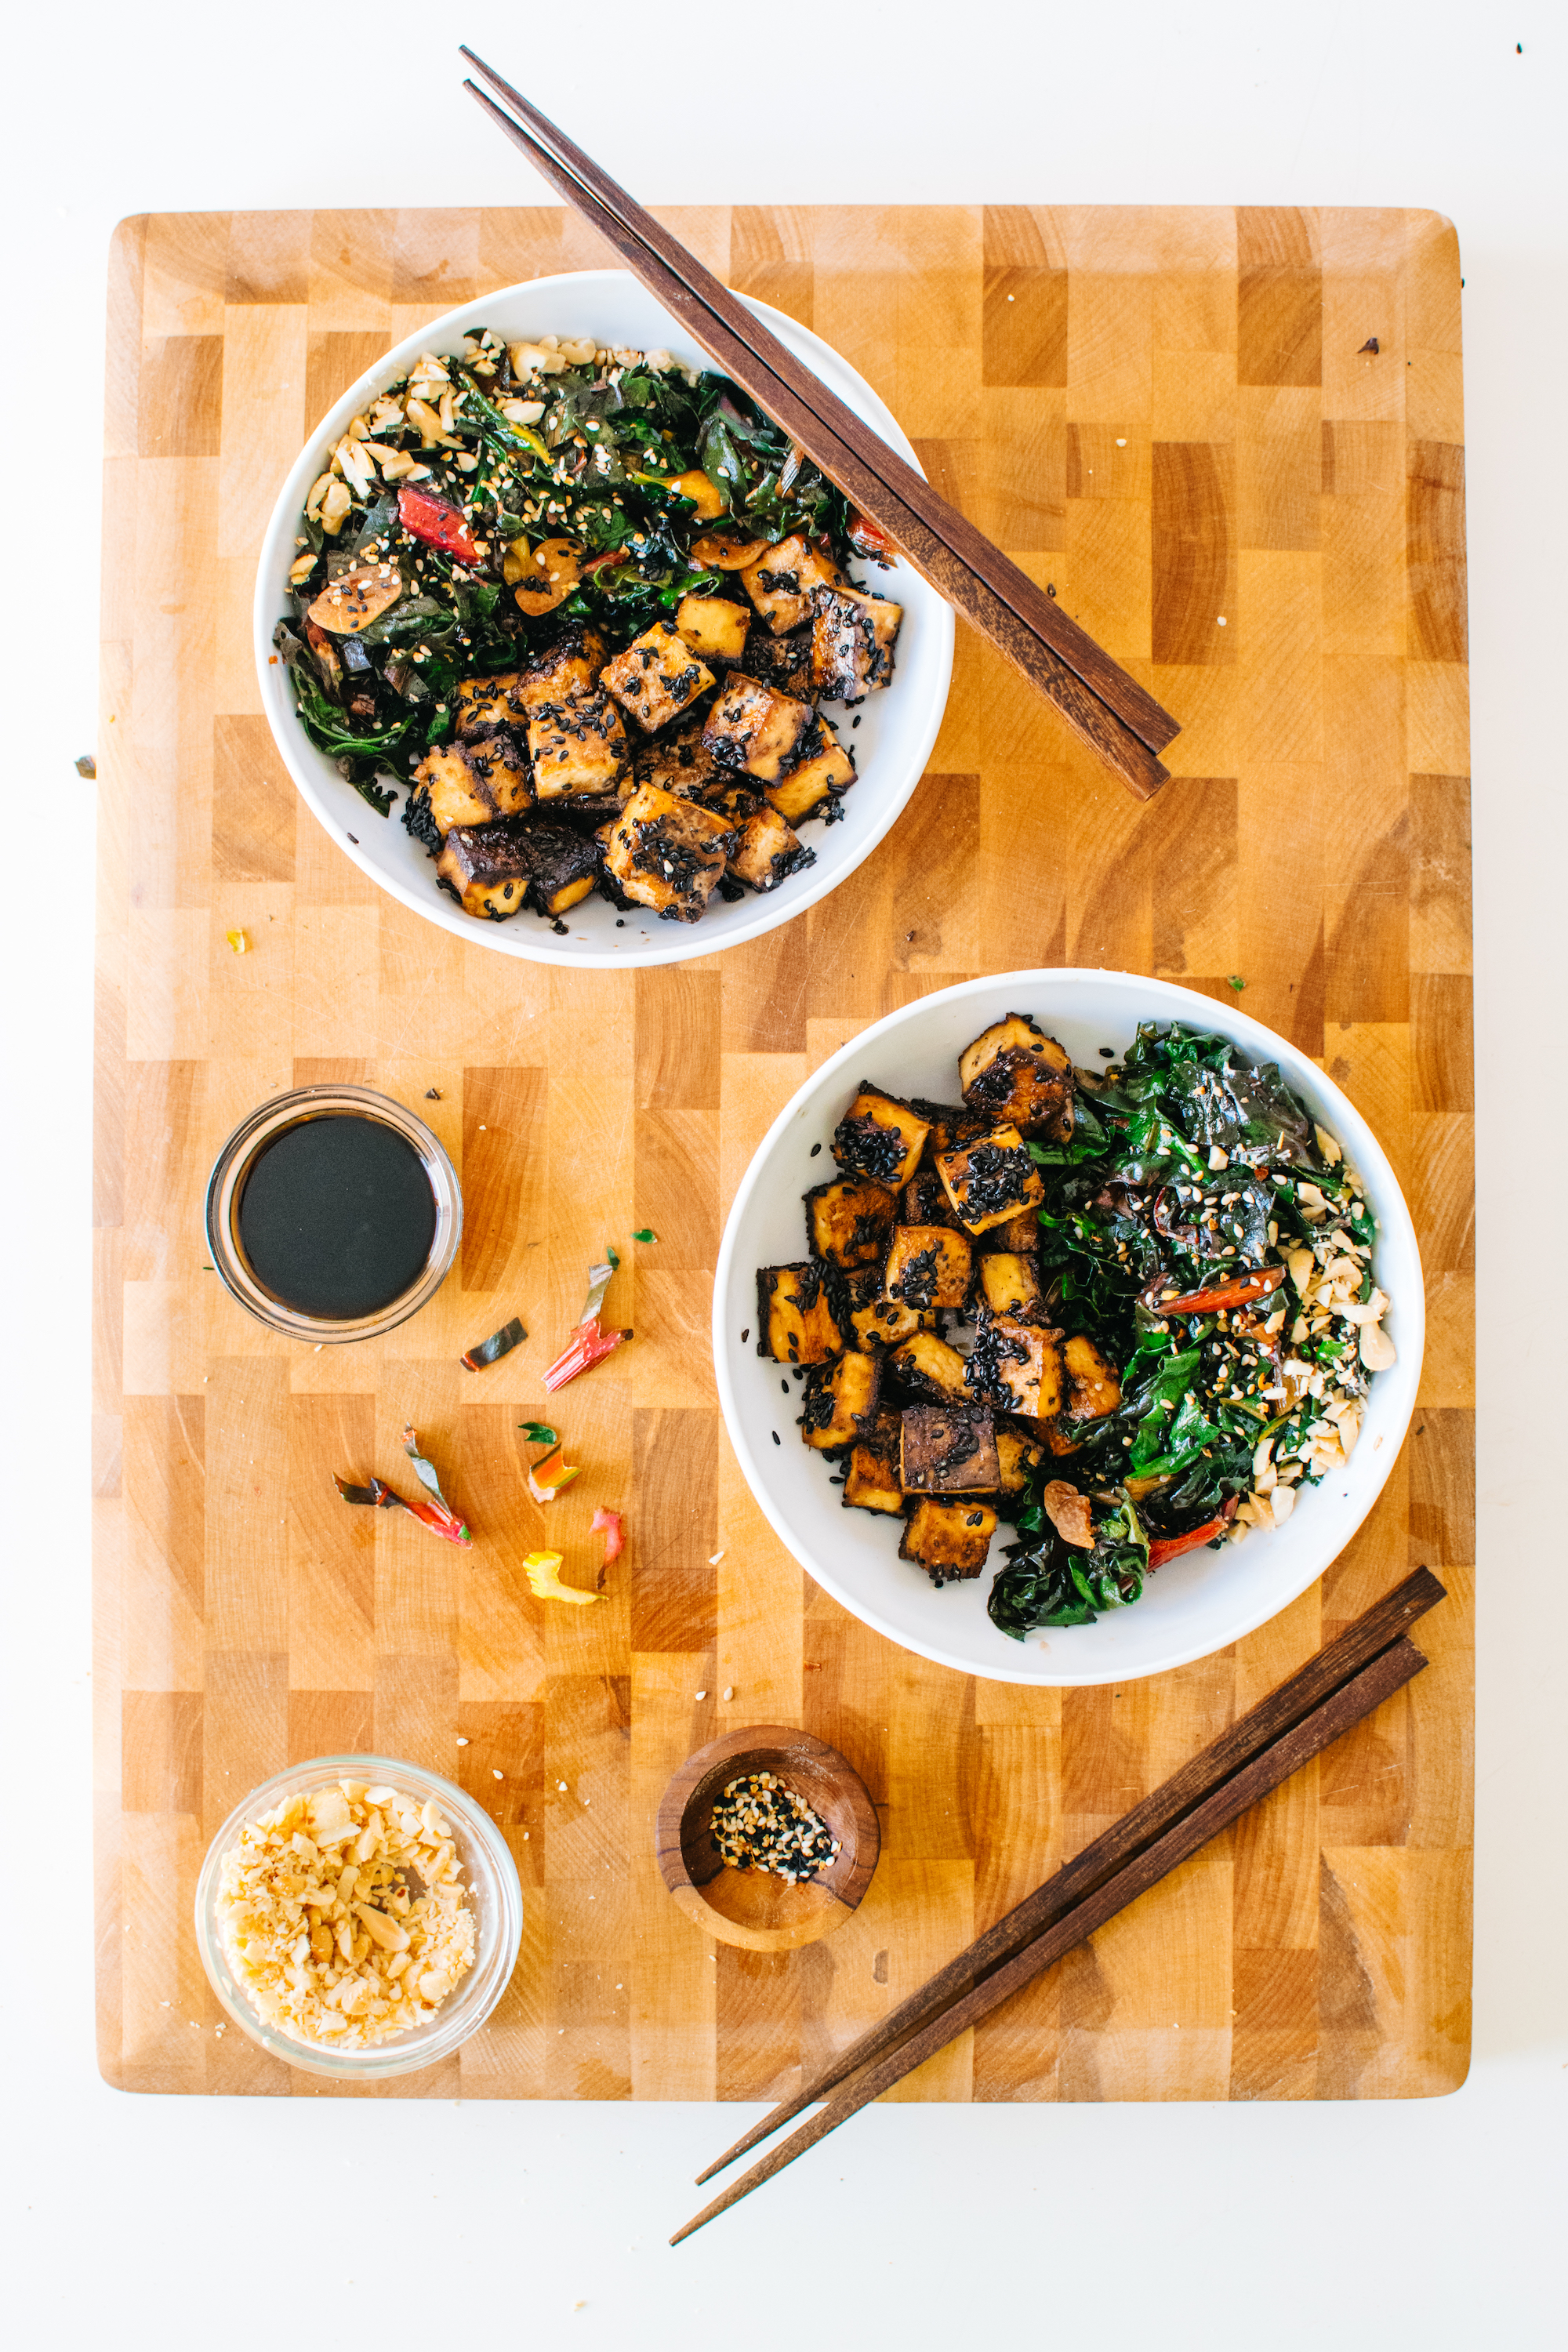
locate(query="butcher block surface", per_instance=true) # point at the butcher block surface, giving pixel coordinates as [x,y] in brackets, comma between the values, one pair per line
[1176,418]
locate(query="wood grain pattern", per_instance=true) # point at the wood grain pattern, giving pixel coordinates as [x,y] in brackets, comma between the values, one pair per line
[1313,843]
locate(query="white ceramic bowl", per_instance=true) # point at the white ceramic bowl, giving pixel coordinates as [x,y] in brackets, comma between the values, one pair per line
[891,744]
[1198,1603]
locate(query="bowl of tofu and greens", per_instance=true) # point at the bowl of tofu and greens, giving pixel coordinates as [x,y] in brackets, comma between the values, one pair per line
[1068,1324]
[575,654]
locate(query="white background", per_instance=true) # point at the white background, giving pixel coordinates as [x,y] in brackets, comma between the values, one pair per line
[142,2221]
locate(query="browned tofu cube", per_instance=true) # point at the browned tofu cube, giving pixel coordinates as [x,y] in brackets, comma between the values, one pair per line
[488,869]
[1016,1368]
[1019,1454]
[768,850]
[852,641]
[657,677]
[817,780]
[950,1540]
[951,1127]
[871,1481]
[947,1449]
[568,667]
[992,1180]
[878,1136]
[1017,1076]
[927,1367]
[668,854]
[1093,1389]
[928,1265]
[1010,1285]
[838,1403]
[850,1224]
[566,866]
[753,727]
[678,762]
[578,747]
[782,584]
[474,783]
[881,1322]
[801,1314]
[1019,1235]
[713,627]
[923,1202]
[782,662]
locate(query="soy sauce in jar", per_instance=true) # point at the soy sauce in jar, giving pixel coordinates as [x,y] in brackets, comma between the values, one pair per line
[336,1216]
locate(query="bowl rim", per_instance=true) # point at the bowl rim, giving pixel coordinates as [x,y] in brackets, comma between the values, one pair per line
[770,910]
[1168,1001]
[471,2004]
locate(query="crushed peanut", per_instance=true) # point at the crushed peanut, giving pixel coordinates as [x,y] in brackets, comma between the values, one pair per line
[343,1914]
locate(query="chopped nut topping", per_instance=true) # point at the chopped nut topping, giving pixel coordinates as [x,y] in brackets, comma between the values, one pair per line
[343,1914]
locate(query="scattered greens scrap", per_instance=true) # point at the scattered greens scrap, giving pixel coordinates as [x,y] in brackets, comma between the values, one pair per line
[1162,1277]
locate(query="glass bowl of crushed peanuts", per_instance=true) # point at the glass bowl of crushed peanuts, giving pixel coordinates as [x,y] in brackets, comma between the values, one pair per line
[359,1917]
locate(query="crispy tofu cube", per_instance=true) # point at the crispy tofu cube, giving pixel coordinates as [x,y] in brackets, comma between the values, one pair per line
[668,854]
[1019,1235]
[927,1367]
[569,665]
[871,1481]
[802,1318]
[951,1127]
[488,869]
[814,785]
[1019,1454]
[925,1200]
[577,747]
[949,1540]
[850,1224]
[878,1136]
[768,850]
[1010,1285]
[852,641]
[678,762]
[782,584]
[713,627]
[881,1322]
[781,662]
[947,1449]
[1017,1076]
[839,1402]
[1093,1389]
[566,866]
[992,1180]
[753,727]
[928,1265]
[657,677]
[1016,1368]
[474,783]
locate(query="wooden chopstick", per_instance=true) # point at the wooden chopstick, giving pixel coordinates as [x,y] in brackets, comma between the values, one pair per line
[1342,1708]
[1029,628]
[1134,1833]
[1132,702]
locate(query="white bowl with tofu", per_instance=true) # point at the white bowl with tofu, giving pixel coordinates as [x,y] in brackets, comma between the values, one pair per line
[893,729]
[1193,1605]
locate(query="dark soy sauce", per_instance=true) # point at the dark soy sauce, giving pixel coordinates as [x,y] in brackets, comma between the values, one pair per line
[337,1217]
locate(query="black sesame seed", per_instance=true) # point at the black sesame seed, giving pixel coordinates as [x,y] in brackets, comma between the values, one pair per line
[776,1438]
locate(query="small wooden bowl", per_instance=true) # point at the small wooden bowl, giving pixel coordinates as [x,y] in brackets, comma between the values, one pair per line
[756,1909]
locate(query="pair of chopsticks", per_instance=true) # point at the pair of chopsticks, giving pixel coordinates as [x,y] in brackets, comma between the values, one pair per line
[1120,721]
[1344,1681]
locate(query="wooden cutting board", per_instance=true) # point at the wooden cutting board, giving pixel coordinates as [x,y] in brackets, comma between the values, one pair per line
[1232,442]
